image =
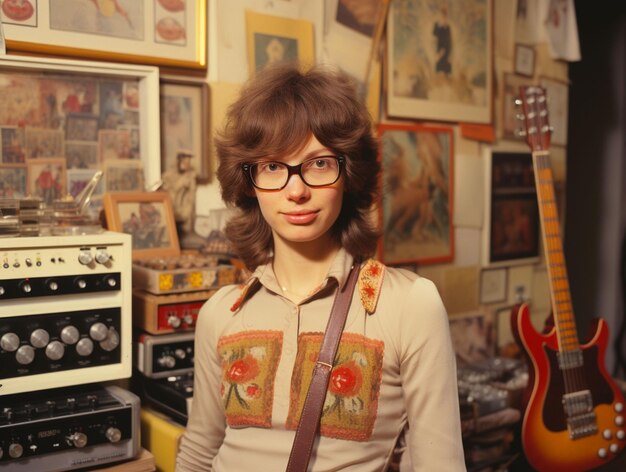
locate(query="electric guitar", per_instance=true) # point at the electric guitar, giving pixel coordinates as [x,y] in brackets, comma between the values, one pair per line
[574,416]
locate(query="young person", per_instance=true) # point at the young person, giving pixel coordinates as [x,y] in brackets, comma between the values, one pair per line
[298,159]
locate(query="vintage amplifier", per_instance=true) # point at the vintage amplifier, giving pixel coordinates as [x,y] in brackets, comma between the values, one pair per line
[164,276]
[163,355]
[65,311]
[172,395]
[67,429]
[158,314]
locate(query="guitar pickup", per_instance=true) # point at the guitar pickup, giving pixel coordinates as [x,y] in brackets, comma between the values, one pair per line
[577,403]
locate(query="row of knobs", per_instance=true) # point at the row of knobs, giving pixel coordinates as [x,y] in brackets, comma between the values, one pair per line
[108,338]
[77,439]
[168,361]
[174,321]
[101,257]
[53,285]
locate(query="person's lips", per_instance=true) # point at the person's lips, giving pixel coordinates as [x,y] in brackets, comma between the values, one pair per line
[300,217]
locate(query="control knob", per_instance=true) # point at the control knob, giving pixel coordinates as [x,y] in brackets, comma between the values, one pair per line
[167,361]
[15,450]
[78,439]
[102,256]
[188,319]
[70,334]
[9,342]
[80,283]
[180,353]
[39,338]
[110,281]
[84,347]
[55,350]
[1,293]
[85,257]
[25,354]
[112,340]
[52,285]
[173,321]
[98,331]
[25,286]
[113,434]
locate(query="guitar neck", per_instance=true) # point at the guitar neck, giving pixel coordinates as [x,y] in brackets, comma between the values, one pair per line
[563,314]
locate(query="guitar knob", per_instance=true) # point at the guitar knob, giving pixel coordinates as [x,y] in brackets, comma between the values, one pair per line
[619,420]
[607,434]
[618,407]
[602,453]
[620,434]
[614,448]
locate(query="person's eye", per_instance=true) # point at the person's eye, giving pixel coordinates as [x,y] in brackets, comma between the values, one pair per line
[270,167]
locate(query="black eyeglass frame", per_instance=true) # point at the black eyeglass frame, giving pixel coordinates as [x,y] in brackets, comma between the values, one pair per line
[291,170]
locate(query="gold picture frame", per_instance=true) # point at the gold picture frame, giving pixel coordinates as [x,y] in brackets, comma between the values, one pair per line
[274,39]
[169,33]
[148,217]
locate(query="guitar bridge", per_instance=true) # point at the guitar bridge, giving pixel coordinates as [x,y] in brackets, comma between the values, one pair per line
[581,419]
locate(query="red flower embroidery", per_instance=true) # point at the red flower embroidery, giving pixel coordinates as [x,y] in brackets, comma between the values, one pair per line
[243,370]
[369,290]
[346,379]
[373,270]
[253,390]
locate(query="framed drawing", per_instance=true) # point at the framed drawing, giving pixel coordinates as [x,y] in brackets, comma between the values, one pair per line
[185,125]
[64,107]
[473,337]
[524,60]
[46,178]
[557,94]
[511,230]
[493,285]
[148,217]
[416,207]
[510,124]
[275,39]
[159,32]
[13,181]
[439,60]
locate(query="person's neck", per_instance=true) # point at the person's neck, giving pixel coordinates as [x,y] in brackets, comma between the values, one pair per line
[300,268]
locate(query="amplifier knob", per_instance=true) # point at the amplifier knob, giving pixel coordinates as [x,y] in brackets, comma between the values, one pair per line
[69,334]
[110,281]
[98,331]
[180,353]
[173,321]
[84,347]
[188,319]
[15,450]
[112,340]
[102,257]
[167,361]
[25,355]
[80,283]
[113,434]
[1,293]
[26,287]
[85,257]
[55,350]
[39,338]
[9,342]
[78,439]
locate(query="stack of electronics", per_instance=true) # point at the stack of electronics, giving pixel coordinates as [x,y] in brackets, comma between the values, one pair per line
[65,336]
[169,290]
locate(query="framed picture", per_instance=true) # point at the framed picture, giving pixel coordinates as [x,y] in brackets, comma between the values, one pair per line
[557,92]
[13,181]
[275,39]
[417,186]
[122,175]
[148,217]
[493,288]
[511,231]
[158,32]
[439,60]
[510,123]
[63,106]
[46,178]
[473,337]
[524,60]
[185,125]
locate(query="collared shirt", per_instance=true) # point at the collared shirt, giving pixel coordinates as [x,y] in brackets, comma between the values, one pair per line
[254,356]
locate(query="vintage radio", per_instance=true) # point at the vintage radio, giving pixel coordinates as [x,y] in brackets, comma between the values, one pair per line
[158,314]
[171,275]
[164,355]
[68,429]
[172,395]
[65,311]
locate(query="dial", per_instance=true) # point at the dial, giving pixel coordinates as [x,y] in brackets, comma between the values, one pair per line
[39,338]
[78,439]
[85,257]
[9,342]
[167,361]
[15,450]
[173,321]
[112,340]
[102,256]
[84,347]
[25,286]
[70,334]
[25,354]
[55,350]
[113,434]
[98,331]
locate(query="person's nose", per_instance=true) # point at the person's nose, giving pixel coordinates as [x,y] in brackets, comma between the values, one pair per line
[297,190]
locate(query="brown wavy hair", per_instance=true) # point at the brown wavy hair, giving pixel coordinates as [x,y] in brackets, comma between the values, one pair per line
[275,115]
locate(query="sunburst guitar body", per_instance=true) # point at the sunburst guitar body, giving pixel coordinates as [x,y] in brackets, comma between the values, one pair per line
[574,412]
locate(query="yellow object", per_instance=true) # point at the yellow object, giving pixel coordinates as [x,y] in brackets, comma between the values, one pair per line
[161,436]
[106,7]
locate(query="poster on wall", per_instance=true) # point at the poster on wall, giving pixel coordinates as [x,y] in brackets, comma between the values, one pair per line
[440,60]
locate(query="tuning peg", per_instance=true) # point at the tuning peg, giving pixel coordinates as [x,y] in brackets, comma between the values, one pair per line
[519,116]
[520,132]
[518,102]
[547,129]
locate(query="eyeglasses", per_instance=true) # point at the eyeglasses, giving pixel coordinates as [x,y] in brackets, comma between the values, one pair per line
[316,172]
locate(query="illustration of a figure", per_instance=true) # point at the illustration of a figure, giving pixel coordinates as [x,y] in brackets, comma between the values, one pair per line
[46,184]
[443,46]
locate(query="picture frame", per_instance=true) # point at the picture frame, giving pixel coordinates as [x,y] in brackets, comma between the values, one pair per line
[171,33]
[46,178]
[557,94]
[13,181]
[511,125]
[185,125]
[68,98]
[511,233]
[493,285]
[439,63]
[524,59]
[473,337]
[272,38]
[416,207]
[148,217]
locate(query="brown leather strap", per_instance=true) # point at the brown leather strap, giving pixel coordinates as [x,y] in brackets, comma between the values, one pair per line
[312,410]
